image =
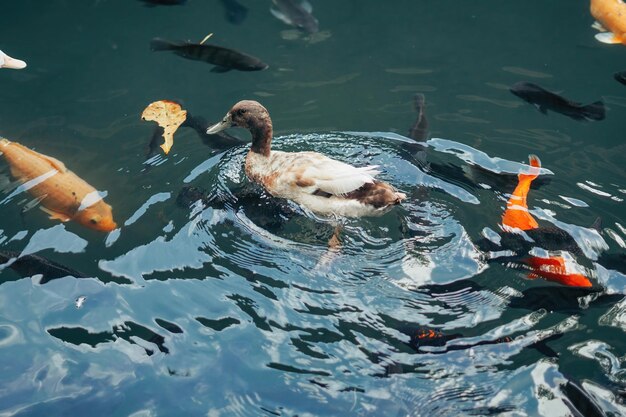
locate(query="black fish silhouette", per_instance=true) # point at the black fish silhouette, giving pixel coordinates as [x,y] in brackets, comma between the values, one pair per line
[29,265]
[545,100]
[224,59]
[419,130]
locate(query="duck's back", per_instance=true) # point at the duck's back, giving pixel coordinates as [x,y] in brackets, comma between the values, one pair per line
[322,184]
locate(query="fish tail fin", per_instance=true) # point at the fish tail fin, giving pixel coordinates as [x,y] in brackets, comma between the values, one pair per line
[535,164]
[594,111]
[158,44]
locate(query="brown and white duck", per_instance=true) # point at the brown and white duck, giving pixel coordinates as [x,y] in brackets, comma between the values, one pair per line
[315,181]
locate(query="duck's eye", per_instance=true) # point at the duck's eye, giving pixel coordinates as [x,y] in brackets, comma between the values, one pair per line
[93,221]
[241,112]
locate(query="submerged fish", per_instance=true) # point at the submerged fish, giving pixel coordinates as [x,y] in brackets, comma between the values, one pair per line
[517,217]
[545,100]
[235,12]
[610,18]
[8,62]
[224,59]
[221,140]
[29,265]
[296,13]
[64,195]
[419,130]
[620,77]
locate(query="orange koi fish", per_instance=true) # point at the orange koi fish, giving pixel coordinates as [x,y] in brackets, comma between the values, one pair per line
[611,20]
[63,195]
[516,216]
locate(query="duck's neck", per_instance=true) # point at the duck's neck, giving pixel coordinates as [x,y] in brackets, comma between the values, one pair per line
[262,137]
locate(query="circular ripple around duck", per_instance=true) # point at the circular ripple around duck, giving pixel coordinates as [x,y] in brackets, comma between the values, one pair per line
[416,243]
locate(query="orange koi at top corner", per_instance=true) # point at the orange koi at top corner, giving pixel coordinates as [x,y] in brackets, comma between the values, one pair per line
[63,195]
[611,20]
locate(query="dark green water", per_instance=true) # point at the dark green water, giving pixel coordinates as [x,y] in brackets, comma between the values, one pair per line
[239,309]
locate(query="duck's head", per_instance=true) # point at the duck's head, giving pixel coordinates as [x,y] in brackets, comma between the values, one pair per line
[250,115]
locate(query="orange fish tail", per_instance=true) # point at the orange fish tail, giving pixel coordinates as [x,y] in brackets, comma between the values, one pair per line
[516,214]
[535,164]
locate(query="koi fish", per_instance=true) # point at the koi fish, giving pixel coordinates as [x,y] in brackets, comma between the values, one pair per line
[610,18]
[224,59]
[8,62]
[517,216]
[63,195]
[546,100]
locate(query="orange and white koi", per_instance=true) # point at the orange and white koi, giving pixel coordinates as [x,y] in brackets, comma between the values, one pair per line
[610,18]
[517,216]
[63,195]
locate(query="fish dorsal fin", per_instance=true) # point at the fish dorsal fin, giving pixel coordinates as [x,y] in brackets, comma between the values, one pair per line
[58,165]
[55,163]
[607,37]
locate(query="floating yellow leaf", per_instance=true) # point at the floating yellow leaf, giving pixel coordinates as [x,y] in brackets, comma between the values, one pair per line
[169,116]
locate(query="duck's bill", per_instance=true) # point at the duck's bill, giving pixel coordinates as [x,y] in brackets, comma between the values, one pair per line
[13,63]
[218,127]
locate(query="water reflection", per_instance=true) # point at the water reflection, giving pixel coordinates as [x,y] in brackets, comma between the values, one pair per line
[234,282]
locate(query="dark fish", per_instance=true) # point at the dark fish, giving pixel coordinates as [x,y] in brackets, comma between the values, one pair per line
[580,402]
[296,13]
[220,140]
[419,130]
[29,265]
[224,59]
[269,213]
[621,77]
[163,2]
[614,261]
[235,12]
[545,100]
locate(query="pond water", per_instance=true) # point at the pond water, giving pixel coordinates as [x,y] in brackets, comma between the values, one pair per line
[212,298]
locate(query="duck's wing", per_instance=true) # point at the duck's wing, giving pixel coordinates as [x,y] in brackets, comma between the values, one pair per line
[338,178]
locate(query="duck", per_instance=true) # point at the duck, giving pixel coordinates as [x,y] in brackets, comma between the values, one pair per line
[8,62]
[316,182]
